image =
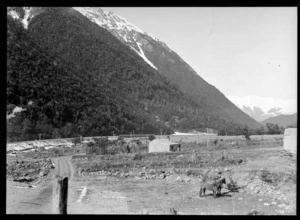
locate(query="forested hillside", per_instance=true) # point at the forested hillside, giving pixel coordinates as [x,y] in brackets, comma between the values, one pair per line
[170,64]
[75,78]
[282,120]
[194,86]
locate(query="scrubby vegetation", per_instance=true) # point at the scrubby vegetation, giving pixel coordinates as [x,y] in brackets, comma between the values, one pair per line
[193,157]
[28,171]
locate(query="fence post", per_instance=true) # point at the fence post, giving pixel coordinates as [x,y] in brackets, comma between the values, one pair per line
[63,195]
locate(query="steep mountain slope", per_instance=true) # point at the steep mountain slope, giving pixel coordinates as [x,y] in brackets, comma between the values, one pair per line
[75,78]
[282,120]
[60,101]
[160,57]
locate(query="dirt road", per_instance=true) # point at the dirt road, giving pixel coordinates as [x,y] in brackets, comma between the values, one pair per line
[39,200]
[44,198]
[64,167]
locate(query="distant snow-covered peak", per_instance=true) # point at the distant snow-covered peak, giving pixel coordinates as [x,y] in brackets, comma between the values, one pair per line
[108,19]
[266,104]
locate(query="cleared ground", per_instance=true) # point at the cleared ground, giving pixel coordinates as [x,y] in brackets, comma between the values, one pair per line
[142,183]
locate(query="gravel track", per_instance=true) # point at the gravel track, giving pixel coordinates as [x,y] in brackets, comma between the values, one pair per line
[40,200]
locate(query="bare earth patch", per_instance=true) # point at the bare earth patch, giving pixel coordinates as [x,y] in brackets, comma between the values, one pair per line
[156,184]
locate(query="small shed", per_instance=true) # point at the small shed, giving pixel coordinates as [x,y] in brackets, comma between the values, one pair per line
[290,140]
[163,145]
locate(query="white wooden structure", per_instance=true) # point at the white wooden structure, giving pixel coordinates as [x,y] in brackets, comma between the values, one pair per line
[290,140]
[163,145]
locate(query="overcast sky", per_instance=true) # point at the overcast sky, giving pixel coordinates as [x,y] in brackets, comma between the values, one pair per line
[241,51]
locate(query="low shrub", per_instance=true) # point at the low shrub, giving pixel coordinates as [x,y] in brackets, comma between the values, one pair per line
[76,141]
[151,137]
[233,187]
[98,146]
[115,149]
[138,148]
[137,157]
[269,177]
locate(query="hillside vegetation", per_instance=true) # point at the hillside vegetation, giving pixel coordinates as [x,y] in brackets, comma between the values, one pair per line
[282,120]
[75,78]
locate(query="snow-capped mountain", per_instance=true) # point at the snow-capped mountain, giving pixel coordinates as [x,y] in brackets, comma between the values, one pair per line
[161,58]
[262,108]
[152,51]
[121,28]
[137,39]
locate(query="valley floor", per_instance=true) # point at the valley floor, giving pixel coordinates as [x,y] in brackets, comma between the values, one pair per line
[103,194]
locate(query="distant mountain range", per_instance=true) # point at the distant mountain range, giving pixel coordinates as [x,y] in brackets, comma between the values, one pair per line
[282,120]
[261,108]
[89,72]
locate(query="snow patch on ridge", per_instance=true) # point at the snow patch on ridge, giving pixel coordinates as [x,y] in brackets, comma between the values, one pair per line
[125,38]
[14,14]
[141,53]
[25,20]
[28,15]
[16,110]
